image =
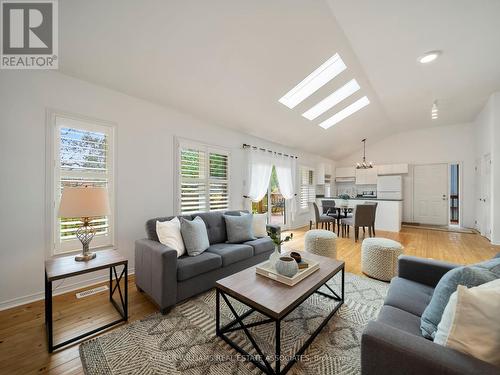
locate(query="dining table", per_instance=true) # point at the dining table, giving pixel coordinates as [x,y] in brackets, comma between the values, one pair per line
[340,210]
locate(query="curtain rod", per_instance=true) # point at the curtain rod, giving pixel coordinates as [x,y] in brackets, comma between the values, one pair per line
[267,150]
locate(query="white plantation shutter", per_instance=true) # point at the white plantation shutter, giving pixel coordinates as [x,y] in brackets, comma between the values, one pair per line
[203,178]
[82,157]
[307,188]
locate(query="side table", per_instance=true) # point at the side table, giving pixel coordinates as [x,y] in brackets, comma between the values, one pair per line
[63,267]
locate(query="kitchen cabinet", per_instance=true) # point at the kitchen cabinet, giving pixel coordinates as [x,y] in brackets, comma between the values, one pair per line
[345,172]
[388,169]
[366,176]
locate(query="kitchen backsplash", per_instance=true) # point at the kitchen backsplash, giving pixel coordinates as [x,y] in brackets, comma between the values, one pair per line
[353,190]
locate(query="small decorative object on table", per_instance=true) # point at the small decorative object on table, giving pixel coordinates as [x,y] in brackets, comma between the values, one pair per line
[300,263]
[86,203]
[287,266]
[277,246]
[345,198]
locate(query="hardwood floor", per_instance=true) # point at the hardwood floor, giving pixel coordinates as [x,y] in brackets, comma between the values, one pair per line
[23,348]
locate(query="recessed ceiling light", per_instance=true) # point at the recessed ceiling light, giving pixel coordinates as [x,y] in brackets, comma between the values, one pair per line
[346,112]
[429,57]
[317,79]
[332,100]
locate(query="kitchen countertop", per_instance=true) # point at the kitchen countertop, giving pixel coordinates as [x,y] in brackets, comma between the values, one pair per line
[361,198]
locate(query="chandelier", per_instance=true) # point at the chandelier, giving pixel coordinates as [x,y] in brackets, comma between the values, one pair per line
[364,164]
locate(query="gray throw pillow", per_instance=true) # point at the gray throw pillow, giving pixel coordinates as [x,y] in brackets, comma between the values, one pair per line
[239,228]
[468,276]
[194,234]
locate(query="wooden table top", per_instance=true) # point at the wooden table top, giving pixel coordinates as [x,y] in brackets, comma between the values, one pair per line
[272,297]
[61,267]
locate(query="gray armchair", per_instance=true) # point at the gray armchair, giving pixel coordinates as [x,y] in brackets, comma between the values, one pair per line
[394,345]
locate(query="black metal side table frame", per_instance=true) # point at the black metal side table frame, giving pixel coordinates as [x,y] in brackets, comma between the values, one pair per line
[122,310]
[261,360]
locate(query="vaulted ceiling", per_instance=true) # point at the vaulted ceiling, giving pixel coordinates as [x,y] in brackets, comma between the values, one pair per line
[229,61]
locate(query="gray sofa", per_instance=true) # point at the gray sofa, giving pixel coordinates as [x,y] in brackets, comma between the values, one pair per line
[393,344]
[168,279]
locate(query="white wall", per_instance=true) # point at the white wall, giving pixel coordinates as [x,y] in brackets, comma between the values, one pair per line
[443,144]
[144,167]
[487,129]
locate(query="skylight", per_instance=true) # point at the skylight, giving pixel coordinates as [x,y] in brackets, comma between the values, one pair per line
[346,112]
[332,100]
[317,79]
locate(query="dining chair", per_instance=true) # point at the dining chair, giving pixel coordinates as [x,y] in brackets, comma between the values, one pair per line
[321,218]
[371,228]
[362,217]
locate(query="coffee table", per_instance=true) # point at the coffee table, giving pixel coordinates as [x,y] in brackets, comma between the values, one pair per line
[275,301]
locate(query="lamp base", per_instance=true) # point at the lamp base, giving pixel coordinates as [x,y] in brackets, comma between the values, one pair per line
[85,257]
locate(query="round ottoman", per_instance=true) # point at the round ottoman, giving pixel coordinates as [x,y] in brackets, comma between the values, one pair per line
[321,242]
[379,257]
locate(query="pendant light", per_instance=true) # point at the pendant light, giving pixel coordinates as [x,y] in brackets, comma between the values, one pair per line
[364,164]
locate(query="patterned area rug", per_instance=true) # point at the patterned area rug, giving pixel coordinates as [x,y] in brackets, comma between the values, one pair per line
[184,341]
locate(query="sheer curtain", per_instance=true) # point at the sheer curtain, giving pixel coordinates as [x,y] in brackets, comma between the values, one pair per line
[285,171]
[260,167]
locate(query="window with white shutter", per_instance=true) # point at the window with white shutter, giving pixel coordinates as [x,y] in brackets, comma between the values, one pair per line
[307,187]
[82,157]
[203,178]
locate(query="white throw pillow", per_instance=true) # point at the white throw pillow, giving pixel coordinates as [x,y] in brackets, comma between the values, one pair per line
[471,322]
[169,234]
[259,225]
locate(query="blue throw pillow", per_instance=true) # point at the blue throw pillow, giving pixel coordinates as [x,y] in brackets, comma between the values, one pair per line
[195,236]
[239,228]
[468,276]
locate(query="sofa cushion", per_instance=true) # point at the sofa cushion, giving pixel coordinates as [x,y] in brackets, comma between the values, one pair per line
[194,234]
[408,295]
[468,276]
[239,228]
[216,226]
[261,245]
[188,267]
[151,225]
[231,253]
[400,319]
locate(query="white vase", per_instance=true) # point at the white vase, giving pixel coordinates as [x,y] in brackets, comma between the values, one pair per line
[275,255]
[287,266]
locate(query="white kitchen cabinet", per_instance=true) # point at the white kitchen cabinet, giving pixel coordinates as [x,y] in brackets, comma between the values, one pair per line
[345,172]
[388,169]
[366,176]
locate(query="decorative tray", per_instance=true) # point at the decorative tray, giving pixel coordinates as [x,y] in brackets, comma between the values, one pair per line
[266,270]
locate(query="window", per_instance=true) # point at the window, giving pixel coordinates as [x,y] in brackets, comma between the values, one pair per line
[83,156]
[307,188]
[203,178]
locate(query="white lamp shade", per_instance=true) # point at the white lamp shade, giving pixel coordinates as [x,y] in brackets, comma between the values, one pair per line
[84,202]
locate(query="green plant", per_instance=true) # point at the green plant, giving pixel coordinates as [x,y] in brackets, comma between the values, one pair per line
[276,237]
[344,196]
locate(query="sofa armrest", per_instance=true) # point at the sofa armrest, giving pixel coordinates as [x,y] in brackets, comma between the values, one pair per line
[423,270]
[387,350]
[156,271]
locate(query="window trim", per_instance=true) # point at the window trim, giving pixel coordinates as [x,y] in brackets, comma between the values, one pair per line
[185,142]
[53,177]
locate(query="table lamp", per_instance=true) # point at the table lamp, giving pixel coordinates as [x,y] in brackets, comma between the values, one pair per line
[87,203]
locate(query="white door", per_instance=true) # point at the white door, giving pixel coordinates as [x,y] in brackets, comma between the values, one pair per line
[430,199]
[485,203]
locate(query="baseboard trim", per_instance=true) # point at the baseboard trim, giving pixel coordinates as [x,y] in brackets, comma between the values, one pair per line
[18,301]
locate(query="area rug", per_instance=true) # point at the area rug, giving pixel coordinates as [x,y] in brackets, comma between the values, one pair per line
[184,341]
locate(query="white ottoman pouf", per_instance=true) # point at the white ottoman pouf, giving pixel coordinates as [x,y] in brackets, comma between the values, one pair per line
[379,257]
[321,242]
